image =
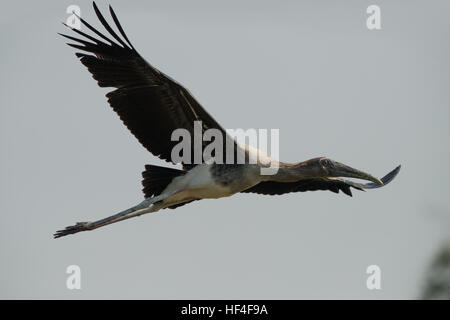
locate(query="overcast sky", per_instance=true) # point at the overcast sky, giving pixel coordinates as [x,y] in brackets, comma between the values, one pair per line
[312,69]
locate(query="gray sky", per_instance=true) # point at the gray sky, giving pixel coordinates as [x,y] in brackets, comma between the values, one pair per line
[370,99]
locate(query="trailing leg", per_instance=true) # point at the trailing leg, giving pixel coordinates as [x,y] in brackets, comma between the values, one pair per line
[147,206]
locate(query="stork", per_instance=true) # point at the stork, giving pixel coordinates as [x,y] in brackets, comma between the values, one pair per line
[152,106]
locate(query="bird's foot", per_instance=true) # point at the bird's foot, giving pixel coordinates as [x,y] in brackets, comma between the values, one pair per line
[78,227]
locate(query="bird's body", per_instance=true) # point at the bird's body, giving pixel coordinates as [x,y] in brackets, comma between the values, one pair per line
[153,106]
[205,181]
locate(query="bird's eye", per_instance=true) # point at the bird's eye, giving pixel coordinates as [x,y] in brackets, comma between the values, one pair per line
[325,162]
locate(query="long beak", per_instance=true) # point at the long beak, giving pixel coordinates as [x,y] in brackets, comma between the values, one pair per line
[341,170]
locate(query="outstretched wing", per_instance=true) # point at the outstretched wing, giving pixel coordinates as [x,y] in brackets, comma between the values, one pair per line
[149,103]
[331,184]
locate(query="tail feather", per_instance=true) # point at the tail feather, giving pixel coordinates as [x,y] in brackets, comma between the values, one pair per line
[156,179]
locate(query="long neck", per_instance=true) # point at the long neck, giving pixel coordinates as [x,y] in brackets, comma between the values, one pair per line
[288,172]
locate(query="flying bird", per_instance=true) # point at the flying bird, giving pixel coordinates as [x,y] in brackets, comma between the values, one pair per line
[152,106]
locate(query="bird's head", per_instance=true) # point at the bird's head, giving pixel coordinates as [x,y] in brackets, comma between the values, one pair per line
[331,168]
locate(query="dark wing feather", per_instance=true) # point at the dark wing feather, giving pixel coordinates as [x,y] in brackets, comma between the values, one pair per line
[277,188]
[331,184]
[149,103]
